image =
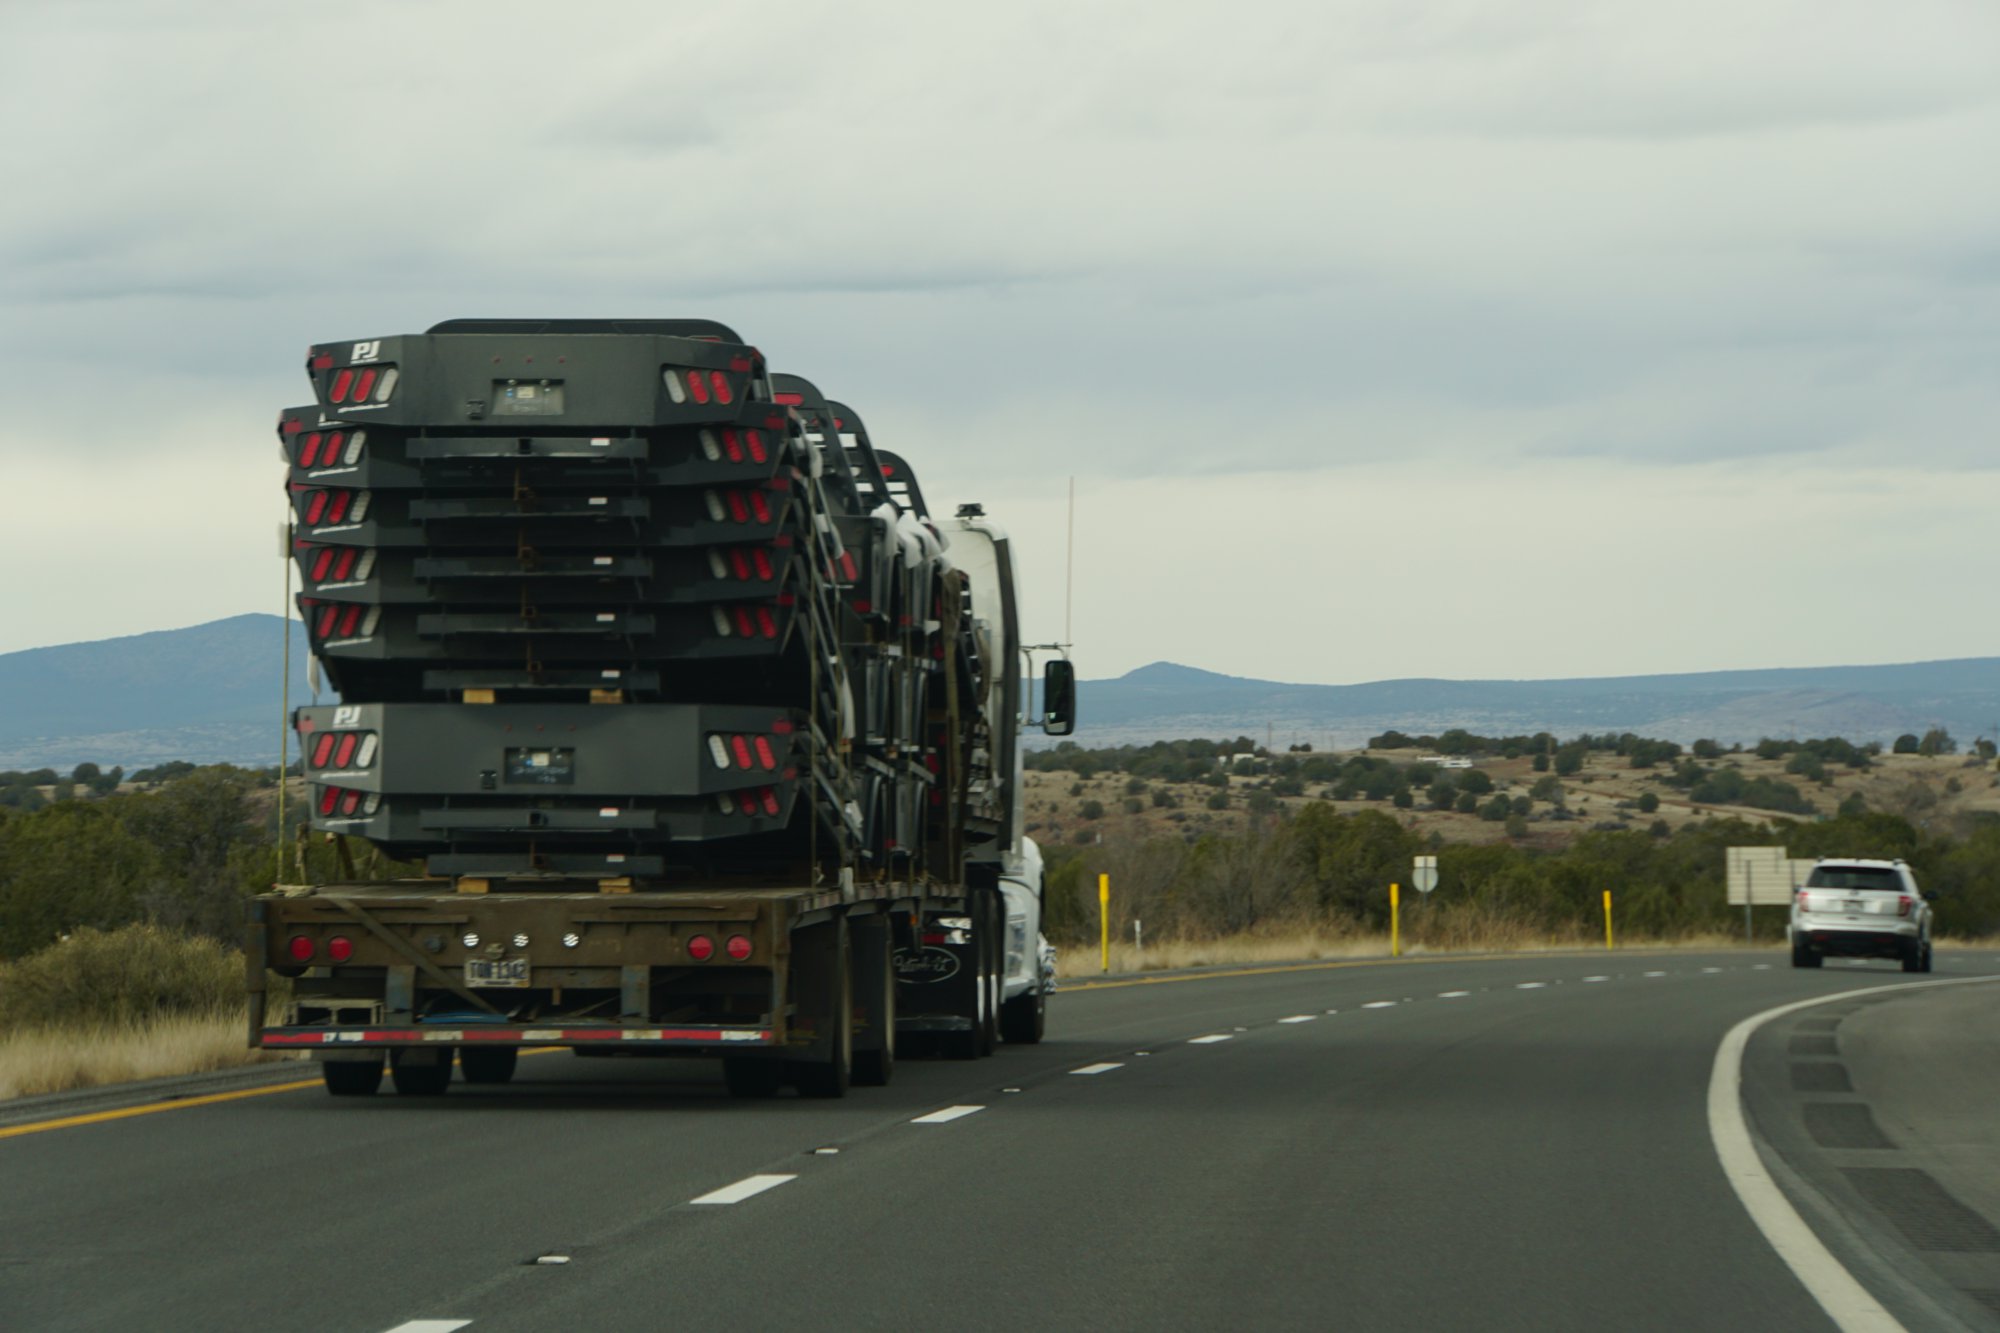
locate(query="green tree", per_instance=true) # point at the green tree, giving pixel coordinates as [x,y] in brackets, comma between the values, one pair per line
[1467,803]
[1475,781]
[1540,762]
[1649,801]
[1496,809]
[1569,760]
[1906,744]
[1091,809]
[1937,741]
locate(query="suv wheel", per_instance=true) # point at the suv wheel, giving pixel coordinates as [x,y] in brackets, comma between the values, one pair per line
[1913,956]
[1803,956]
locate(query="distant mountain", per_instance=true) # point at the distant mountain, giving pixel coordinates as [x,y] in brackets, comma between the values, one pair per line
[211,693]
[1166,700]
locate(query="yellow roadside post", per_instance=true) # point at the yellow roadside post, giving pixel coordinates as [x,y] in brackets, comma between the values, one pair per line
[1607,918]
[1395,921]
[1104,922]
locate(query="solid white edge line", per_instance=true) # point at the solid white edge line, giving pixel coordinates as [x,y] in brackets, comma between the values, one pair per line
[743,1189]
[946,1116]
[430,1325]
[1846,1302]
[1103,1068]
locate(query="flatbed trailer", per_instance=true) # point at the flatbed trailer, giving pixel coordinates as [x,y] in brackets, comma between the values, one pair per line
[794,985]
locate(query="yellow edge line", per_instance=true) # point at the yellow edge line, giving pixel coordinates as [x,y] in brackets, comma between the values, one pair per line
[126,1112]
[209,1099]
[1354,962]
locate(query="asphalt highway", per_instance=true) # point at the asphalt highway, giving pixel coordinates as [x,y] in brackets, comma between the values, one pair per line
[1517,1143]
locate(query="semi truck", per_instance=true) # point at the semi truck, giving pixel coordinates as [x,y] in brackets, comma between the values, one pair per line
[703,730]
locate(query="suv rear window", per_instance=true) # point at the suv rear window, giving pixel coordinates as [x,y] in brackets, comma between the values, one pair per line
[1855,877]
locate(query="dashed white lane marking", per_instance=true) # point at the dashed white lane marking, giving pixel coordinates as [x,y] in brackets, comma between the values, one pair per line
[430,1325]
[1656,974]
[1587,980]
[1380,1004]
[1103,1068]
[743,1189]
[1711,969]
[1760,967]
[1299,1018]
[949,1114]
[1453,994]
[551,1260]
[1211,1038]
[1845,1300]
[1530,985]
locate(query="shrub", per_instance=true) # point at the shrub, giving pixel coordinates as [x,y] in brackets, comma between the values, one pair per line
[128,975]
[1218,800]
[1404,800]
[1092,809]
[1648,802]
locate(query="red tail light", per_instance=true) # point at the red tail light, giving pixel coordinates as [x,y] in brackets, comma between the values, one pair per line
[1904,904]
[315,506]
[327,615]
[300,948]
[764,753]
[343,755]
[697,386]
[340,948]
[309,450]
[770,801]
[336,509]
[737,509]
[740,747]
[738,947]
[345,565]
[322,562]
[365,385]
[701,948]
[732,445]
[766,625]
[745,624]
[342,382]
[350,802]
[761,505]
[327,797]
[323,748]
[763,564]
[755,440]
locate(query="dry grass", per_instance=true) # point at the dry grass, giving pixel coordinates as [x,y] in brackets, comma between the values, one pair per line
[1310,945]
[42,1059]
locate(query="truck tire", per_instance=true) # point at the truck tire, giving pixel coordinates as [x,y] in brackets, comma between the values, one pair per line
[1024,1018]
[488,1064]
[352,1078]
[752,1079]
[829,1077]
[994,919]
[874,1067]
[421,1071]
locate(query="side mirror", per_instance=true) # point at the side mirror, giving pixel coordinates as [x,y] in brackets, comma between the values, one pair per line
[1059,697]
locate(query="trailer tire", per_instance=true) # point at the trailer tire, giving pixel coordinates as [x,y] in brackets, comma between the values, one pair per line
[352,1078]
[994,957]
[752,1079]
[488,1064]
[874,1067]
[421,1071]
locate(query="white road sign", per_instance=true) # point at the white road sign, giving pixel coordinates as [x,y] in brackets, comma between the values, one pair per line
[1760,876]
[1424,875]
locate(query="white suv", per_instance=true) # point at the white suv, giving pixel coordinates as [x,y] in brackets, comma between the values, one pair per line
[1861,909]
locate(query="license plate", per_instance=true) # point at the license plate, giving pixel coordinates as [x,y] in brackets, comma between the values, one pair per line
[496,972]
[1854,905]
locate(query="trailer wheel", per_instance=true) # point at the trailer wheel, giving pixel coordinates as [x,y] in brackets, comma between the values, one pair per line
[875,1066]
[352,1078]
[488,1064]
[831,1076]
[750,1078]
[991,980]
[421,1071]
[822,969]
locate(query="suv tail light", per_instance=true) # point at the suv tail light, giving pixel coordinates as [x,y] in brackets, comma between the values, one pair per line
[1904,904]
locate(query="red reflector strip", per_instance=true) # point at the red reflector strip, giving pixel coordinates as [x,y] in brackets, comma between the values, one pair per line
[788,399]
[737,509]
[508,1035]
[732,445]
[341,383]
[324,361]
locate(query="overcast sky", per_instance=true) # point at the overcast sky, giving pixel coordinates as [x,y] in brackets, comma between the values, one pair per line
[1382,337]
